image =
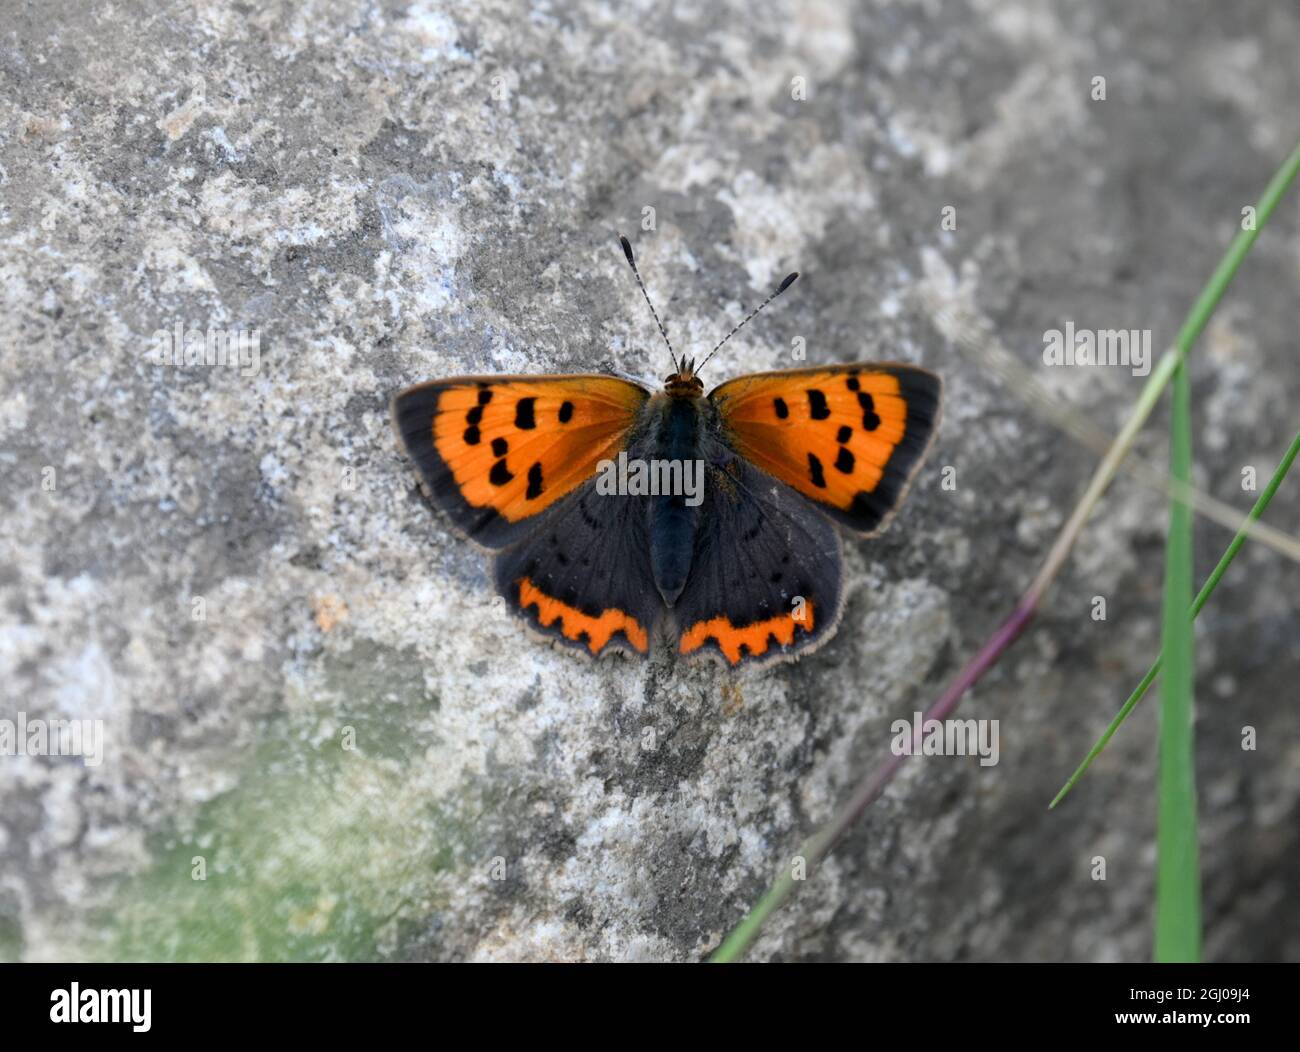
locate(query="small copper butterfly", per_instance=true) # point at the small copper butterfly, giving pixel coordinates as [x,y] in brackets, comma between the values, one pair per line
[620,516]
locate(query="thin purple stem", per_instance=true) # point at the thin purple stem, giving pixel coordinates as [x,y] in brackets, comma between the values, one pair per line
[874,784]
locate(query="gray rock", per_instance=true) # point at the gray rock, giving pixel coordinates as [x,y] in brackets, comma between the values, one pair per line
[230,566]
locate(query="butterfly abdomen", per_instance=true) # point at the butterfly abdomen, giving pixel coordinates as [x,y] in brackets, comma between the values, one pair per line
[673,441]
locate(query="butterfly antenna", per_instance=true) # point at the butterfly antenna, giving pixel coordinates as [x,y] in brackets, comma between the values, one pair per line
[789,280]
[631,262]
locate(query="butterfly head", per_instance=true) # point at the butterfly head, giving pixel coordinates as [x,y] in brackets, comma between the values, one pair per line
[684,383]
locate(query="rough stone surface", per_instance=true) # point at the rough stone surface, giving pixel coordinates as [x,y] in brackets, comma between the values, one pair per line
[389,192]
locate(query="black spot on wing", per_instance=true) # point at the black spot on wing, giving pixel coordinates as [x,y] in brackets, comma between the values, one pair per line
[782,410]
[844,462]
[870,421]
[525,418]
[500,474]
[566,412]
[534,481]
[472,435]
[815,471]
[500,447]
[817,406]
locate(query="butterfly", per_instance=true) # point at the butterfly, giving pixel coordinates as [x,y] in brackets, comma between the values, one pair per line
[620,516]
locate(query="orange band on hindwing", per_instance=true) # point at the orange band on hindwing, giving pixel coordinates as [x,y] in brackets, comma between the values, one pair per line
[574,624]
[754,638]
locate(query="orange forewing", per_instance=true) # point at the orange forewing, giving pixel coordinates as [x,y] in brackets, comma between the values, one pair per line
[533,440]
[847,437]
[495,451]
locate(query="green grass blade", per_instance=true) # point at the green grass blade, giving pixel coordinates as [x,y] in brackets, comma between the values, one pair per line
[734,945]
[1178,878]
[1223,274]
[1198,604]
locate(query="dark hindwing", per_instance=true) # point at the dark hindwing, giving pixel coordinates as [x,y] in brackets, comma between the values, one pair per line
[766,581]
[582,577]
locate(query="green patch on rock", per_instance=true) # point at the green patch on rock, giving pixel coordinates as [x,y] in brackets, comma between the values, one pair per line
[320,854]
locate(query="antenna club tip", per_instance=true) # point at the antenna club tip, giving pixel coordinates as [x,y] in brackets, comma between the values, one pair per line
[789,280]
[627,249]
